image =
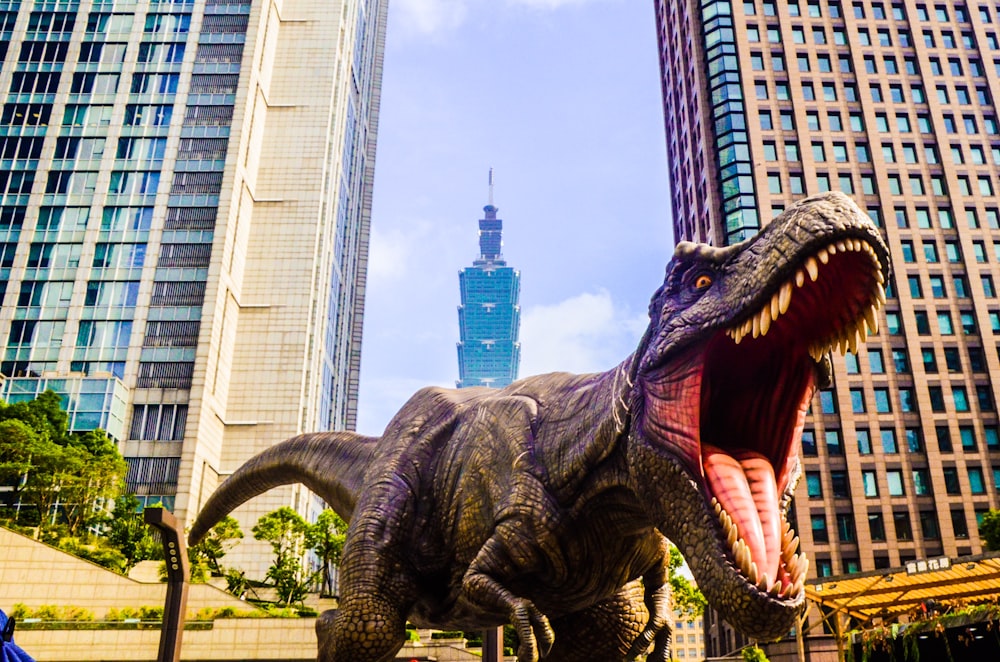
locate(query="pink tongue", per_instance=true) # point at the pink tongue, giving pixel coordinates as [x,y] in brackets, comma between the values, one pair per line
[746,489]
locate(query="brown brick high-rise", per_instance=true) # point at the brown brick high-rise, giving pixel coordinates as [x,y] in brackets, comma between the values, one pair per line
[893,103]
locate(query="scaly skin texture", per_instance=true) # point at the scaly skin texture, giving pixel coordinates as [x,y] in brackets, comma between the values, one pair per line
[548,504]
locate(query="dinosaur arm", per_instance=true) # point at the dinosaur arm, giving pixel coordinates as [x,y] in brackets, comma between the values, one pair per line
[656,583]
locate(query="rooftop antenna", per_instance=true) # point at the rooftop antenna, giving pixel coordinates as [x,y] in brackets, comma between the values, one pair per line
[491,187]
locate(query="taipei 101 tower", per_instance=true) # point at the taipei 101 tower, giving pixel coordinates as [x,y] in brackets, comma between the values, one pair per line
[489,317]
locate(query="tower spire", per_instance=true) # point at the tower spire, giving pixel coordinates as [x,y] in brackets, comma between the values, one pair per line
[491,187]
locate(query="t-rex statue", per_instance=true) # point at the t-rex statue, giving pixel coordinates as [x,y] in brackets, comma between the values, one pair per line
[548,504]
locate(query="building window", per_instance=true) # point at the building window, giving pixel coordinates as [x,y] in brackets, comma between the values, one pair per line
[882,403]
[845,527]
[921,482]
[943,438]
[977,485]
[889,441]
[951,484]
[929,525]
[819,531]
[937,398]
[876,526]
[959,524]
[839,483]
[968,437]
[857,401]
[814,486]
[870,483]
[809,442]
[902,523]
[864,441]
[894,479]
[961,398]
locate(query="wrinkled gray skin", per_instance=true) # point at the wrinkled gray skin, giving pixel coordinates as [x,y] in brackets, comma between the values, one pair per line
[546,504]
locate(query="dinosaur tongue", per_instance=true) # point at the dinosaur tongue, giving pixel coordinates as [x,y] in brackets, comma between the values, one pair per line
[745,486]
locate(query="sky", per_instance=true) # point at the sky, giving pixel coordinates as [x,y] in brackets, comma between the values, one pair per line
[562,99]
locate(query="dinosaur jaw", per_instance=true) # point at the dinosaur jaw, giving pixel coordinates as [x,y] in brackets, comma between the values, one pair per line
[731,410]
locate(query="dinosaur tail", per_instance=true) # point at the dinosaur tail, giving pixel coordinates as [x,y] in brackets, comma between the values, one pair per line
[331,464]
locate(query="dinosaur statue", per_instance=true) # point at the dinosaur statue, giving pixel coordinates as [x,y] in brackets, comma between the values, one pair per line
[548,504]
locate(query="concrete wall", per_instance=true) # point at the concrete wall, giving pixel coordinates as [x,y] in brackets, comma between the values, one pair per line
[36,574]
[287,639]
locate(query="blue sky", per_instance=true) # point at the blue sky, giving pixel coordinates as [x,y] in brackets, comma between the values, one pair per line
[562,99]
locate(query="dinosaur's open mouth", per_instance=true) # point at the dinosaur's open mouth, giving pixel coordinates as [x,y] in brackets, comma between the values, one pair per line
[745,394]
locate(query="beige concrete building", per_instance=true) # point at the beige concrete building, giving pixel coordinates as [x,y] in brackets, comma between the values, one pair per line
[186,190]
[894,103]
[689,638]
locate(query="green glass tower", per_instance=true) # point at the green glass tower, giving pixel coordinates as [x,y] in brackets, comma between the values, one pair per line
[489,318]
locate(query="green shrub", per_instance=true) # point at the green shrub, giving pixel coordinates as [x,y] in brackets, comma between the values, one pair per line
[447,634]
[754,654]
[51,613]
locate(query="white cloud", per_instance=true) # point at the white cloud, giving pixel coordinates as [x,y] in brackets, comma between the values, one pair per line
[383,397]
[387,255]
[585,333]
[429,16]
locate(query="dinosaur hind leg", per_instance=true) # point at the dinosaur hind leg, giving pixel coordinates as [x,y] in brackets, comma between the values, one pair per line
[366,628]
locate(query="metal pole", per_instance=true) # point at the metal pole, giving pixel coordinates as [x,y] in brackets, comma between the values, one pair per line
[177,583]
[493,645]
[799,638]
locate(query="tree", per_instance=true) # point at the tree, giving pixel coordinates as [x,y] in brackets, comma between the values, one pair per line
[55,471]
[286,530]
[687,597]
[989,530]
[326,537]
[17,441]
[100,478]
[129,533]
[52,466]
[219,540]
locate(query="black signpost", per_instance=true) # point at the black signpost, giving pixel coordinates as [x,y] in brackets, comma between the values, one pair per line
[177,583]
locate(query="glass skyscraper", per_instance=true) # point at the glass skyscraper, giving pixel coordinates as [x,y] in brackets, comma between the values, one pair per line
[894,103]
[489,352]
[186,189]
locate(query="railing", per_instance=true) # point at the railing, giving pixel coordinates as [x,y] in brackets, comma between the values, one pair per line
[126,624]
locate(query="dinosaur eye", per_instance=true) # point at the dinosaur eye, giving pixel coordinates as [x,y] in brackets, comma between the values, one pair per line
[702,282]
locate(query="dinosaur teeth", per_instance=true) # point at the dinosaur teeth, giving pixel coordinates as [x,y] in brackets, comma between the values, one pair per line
[795,565]
[812,268]
[851,335]
[784,298]
[871,319]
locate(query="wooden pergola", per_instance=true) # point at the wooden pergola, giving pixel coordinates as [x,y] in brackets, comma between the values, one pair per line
[881,597]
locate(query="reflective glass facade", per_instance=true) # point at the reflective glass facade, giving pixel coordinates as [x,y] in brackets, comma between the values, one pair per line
[489,318]
[185,191]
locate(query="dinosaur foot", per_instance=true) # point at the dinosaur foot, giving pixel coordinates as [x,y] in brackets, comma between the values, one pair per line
[659,636]
[533,630]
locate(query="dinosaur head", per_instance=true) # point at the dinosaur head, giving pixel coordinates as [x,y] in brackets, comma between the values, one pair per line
[737,344]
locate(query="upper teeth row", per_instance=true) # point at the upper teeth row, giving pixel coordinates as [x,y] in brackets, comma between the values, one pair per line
[848,337]
[796,565]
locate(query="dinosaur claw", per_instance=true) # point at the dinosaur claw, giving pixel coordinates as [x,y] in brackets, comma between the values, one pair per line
[534,631]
